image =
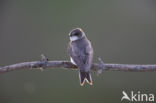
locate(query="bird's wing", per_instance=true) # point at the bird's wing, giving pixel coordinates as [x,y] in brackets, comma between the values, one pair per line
[88,55]
[83,58]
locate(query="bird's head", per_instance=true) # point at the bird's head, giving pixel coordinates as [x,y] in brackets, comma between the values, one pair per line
[76,34]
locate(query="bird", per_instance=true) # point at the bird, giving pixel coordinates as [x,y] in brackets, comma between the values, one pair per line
[80,51]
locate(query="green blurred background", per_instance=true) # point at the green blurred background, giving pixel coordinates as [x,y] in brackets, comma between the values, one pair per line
[121,31]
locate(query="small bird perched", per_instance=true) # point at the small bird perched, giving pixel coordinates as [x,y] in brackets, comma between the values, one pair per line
[81,54]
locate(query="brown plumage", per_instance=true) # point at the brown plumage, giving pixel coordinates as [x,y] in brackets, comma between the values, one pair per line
[81,54]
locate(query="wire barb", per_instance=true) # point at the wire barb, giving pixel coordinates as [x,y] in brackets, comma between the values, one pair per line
[44,61]
[101,66]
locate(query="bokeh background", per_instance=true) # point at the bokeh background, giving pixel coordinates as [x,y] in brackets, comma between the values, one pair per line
[121,31]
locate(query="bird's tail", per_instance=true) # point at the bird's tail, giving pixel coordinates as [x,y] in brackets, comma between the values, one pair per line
[85,76]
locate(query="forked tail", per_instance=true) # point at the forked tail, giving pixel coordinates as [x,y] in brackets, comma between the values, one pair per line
[85,76]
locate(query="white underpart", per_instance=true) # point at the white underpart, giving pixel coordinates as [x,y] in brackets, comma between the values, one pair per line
[73,38]
[72,60]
